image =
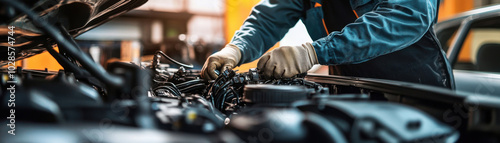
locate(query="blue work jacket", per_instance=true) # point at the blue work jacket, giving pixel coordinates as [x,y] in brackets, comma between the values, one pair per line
[388,39]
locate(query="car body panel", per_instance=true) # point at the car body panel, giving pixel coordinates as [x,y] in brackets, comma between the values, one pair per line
[469,80]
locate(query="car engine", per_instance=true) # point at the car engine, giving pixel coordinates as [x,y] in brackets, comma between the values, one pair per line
[241,104]
[151,102]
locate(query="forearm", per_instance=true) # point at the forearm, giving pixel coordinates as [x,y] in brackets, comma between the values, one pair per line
[268,22]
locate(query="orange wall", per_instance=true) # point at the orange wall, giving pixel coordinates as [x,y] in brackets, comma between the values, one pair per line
[450,8]
[42,61]
[236,13]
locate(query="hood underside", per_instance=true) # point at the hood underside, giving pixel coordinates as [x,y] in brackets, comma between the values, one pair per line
[77,16]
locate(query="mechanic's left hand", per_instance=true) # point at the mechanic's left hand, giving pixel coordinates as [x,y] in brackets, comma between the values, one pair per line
[287,61]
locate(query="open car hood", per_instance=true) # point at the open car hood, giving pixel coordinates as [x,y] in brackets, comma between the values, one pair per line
[77,16]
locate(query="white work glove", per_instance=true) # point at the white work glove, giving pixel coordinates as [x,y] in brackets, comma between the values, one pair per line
[227,58]
[287,61]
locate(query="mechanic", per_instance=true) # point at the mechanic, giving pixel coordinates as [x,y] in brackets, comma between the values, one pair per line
[384,39]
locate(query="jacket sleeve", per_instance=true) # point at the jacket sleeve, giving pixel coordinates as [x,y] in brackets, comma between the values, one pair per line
[388,28]
[268,22]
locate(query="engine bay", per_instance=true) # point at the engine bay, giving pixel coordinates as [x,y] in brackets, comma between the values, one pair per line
[153,102]
[236,107]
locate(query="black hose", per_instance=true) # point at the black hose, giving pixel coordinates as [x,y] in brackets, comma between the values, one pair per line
[213,87]
[193,88]
[156,92]
[237,95]
[222,99]
[173,86]
[66,35]
[169,89]
[222,87]
[189,83]
[67,65]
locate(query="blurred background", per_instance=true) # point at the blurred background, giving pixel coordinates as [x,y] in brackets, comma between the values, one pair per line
[191,30]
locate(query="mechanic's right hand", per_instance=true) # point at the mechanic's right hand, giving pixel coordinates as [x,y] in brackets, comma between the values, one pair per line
[225,59]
